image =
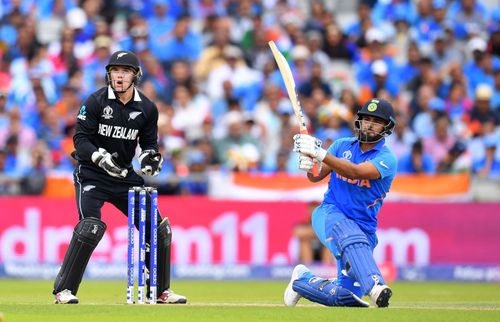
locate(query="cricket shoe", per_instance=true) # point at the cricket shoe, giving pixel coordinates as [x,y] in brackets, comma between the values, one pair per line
[170,297]
[65,297]
[380,295]
[291,297]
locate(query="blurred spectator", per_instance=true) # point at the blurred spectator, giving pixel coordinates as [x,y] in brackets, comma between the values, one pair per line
[165,84]
[268,113]
[477,68]
[495,99]
[196,182]
[189,115]
[442,53]
[310,248]
[482,113]
[427,108]
[245,80]
[182,44]
[160,25]
[237,150]
[380,79]
[336,46]
[357,29]
[34,180]
[9,183]
[484,149]
[467,16]
[316,81]
[4,116]
[441,141]
[416,161]
[457,160]
[403,137]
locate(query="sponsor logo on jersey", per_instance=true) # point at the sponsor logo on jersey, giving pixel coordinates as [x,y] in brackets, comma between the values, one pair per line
[82,114]
[117,132]
[133,115]
[107,113]
[358,182]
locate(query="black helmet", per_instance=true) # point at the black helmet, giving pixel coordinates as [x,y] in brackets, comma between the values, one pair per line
[379,108]
[125,58]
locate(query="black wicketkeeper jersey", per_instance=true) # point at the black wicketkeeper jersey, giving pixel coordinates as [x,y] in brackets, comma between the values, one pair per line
[105,122]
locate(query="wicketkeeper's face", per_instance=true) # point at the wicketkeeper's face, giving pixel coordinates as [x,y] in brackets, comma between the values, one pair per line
[121,77]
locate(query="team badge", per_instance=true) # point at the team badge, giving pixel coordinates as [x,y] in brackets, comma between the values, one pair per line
[107,113]
[133,115]
[372,107]
[347,155]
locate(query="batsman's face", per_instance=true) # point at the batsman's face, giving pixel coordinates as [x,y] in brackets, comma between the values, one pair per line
[121,77]
[371,126]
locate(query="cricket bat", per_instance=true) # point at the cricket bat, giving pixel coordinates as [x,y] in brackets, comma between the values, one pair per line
[286,74]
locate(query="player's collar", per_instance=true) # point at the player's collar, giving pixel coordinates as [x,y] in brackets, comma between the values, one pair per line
[112,96]
[380,144]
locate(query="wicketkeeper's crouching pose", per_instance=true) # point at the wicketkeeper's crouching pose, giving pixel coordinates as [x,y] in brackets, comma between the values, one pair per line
[109,125]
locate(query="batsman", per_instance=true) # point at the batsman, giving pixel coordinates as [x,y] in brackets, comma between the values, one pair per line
[361,170]
[110,124]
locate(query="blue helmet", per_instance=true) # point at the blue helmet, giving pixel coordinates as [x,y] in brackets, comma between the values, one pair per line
[381,109]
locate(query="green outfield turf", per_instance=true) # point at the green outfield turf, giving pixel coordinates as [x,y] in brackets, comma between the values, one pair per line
[24,300]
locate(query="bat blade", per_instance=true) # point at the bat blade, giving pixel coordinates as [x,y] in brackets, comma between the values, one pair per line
[286,74]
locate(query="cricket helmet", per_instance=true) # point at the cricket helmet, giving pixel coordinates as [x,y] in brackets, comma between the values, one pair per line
[381,109]
[124,58]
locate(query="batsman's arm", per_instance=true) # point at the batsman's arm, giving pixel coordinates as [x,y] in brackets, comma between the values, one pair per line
[364,170]
[325,171]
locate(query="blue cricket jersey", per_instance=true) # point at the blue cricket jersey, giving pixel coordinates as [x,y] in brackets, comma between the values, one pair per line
[360,200]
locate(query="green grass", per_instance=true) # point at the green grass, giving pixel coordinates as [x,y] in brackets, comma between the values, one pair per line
[24,300]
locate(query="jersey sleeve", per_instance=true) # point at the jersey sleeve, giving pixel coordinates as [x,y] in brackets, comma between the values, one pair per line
[333,148]
[386,163]
[148,138]
[86,129]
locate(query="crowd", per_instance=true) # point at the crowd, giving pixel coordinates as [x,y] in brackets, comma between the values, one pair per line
[222,103]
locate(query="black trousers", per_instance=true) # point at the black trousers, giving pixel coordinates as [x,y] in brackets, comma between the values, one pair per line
[94,187]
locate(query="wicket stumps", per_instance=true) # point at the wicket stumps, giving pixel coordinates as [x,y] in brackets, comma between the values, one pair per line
[142,193]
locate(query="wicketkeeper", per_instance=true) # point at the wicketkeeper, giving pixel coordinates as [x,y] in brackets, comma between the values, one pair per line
[109,125]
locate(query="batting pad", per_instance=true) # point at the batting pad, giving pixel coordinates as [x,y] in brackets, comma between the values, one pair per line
[326,292]
[164,249]
[356,251]
[87,234]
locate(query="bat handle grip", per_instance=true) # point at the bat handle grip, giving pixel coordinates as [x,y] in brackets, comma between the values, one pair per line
[315,168]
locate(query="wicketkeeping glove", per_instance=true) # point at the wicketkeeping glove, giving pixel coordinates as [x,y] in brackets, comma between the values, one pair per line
[151,162]
[104,160]
[309,145]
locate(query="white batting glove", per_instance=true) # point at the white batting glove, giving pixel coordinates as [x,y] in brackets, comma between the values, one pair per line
[306,163]
[309,145]
[104,160]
